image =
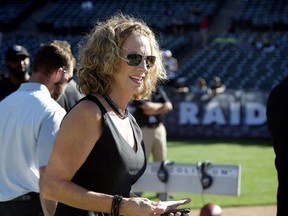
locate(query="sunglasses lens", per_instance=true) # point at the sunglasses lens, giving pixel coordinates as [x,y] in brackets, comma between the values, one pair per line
[150,60]
[134,59]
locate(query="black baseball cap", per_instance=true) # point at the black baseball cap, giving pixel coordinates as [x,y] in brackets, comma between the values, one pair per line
[16,50]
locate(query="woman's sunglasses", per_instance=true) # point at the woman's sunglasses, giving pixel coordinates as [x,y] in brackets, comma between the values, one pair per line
[135,59]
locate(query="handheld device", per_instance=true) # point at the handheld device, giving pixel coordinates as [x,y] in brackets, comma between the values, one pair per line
[175,203]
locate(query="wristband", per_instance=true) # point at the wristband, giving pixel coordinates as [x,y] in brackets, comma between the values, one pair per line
[116,205]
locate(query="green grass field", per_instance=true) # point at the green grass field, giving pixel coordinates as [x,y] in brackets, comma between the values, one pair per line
[256,158]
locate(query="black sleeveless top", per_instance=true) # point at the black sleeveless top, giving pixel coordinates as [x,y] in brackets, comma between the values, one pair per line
[112,166]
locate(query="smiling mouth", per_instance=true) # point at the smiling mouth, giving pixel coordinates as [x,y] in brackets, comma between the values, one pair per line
[137,79]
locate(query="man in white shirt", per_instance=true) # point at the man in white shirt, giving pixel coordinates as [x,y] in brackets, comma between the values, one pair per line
[30,119]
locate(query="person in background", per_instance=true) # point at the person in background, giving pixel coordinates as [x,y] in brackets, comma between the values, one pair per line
[171,67]
[181,85]
[71,95]
[30,119]
[264,44]
[204,25]
[277,123]
[150,115]
[216,85]
[200,87]
[99,152]
[17,61]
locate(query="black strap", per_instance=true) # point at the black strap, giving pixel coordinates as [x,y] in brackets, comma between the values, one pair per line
[95,100]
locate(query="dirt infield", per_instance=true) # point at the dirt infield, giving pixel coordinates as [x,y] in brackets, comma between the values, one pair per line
[245,211]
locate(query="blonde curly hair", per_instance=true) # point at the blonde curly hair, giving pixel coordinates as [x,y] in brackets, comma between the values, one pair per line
[99,55]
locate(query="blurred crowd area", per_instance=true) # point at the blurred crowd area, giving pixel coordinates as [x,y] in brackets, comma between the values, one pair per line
[242,42]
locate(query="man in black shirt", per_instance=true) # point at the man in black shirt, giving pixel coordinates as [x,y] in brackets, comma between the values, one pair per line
[70,96]
[17,61]
[149,115]
[277,122]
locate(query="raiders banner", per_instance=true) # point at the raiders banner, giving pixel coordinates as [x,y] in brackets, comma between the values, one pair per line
[232,114]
